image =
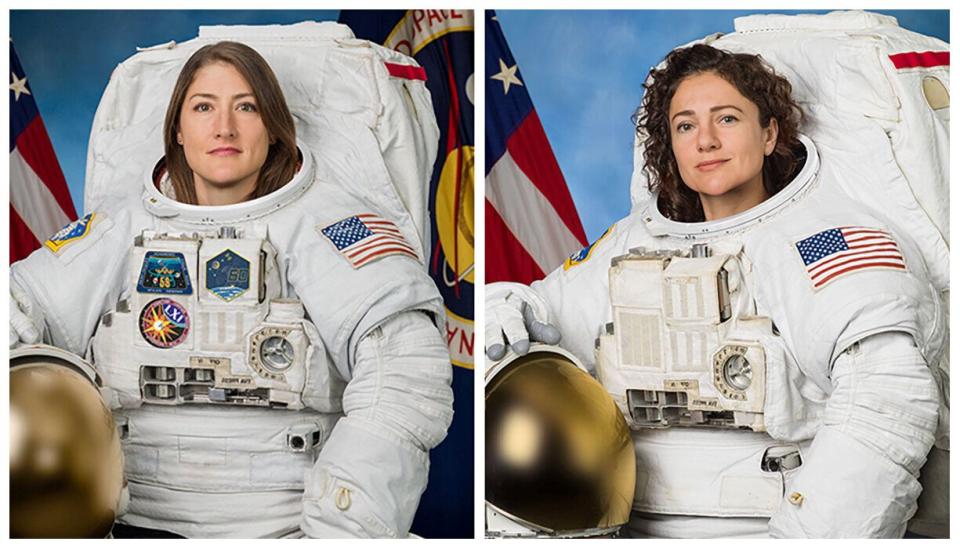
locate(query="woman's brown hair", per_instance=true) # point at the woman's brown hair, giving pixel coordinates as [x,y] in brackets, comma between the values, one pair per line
[282,157]
[755,80]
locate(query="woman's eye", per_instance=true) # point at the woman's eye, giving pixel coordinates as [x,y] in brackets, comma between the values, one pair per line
[202,107]
[247,107]
[728,119]
[684,127]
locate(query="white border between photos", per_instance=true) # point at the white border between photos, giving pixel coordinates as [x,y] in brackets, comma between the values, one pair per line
[479,244]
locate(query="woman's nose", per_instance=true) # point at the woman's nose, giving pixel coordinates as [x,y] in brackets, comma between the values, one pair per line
[707,139]
[226,124]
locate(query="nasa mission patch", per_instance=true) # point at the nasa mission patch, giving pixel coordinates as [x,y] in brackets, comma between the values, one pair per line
[584,254]
[164,323]
[73,232]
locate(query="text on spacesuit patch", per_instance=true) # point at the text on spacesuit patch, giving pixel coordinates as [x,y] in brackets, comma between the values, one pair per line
[228,275]
[367,237]
[833,253]
[71,233]
[584,254]
[164,323]
[164,273]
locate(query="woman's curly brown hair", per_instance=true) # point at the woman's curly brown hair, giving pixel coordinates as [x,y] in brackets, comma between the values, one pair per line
[755,80]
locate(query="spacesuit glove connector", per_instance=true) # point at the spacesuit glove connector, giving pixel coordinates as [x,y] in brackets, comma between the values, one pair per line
[515,316]
[25,320]
[370,474]
[859,477]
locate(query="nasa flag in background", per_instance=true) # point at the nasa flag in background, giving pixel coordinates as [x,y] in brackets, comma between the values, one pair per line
[531,222]
[40,202]
[442,43]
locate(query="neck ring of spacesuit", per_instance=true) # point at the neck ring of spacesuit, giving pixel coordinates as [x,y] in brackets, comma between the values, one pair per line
[162,206]
[659,225]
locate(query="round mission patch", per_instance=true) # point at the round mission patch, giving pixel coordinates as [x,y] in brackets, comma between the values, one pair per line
[164,323]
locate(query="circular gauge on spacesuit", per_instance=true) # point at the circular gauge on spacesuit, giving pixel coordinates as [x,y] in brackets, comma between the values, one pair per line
[737,372]
[276,353]
[732,372]
[164,323]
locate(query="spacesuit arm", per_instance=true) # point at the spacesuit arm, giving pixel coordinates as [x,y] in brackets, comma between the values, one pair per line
[58,296]
[859,478]
[369,477]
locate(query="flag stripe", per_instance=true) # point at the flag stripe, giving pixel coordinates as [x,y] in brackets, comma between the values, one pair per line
[35,148]
[32,198]
[376,242]
[854,251]
[516,264]
[894,265]
[529,215]
[533,155]
[818,272]
[361,261]
[22,241]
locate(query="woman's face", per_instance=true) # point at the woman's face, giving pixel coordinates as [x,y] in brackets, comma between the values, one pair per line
[719,143]
[223,137]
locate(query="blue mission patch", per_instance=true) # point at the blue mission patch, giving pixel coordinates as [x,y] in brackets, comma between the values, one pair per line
[228,275]
[71,233]
[164,273]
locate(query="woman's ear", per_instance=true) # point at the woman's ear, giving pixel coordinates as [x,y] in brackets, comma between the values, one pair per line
[179,137]
[770,134]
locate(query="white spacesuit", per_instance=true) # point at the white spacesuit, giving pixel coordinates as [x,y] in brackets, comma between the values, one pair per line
[796,343]
[275,365]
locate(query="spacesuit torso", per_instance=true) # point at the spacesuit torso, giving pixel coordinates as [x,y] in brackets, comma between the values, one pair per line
[719,342]
[225,337]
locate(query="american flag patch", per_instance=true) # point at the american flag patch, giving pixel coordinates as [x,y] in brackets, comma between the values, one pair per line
[833,253]
[367,237]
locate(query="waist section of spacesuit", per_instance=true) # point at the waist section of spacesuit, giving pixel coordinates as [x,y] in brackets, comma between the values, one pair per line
[210,471]
[712,472]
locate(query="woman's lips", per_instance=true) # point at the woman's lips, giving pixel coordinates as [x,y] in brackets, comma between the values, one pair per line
[710,165]
[224,151]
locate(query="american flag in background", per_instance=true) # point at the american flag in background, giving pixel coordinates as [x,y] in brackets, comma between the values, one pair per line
[40,202]
[532,224]
[366,237]
[836,252]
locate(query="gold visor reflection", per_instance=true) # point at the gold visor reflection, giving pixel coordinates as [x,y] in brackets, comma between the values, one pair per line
[559,455]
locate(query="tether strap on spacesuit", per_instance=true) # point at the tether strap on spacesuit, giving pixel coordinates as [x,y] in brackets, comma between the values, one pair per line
[370,474]
[859,478]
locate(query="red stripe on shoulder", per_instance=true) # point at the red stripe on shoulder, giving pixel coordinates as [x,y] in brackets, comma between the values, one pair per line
[406,71]
[913,59]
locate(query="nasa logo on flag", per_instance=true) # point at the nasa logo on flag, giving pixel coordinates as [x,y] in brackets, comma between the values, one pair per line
[73,232]
[367,237]
[584,254]
[835,253]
